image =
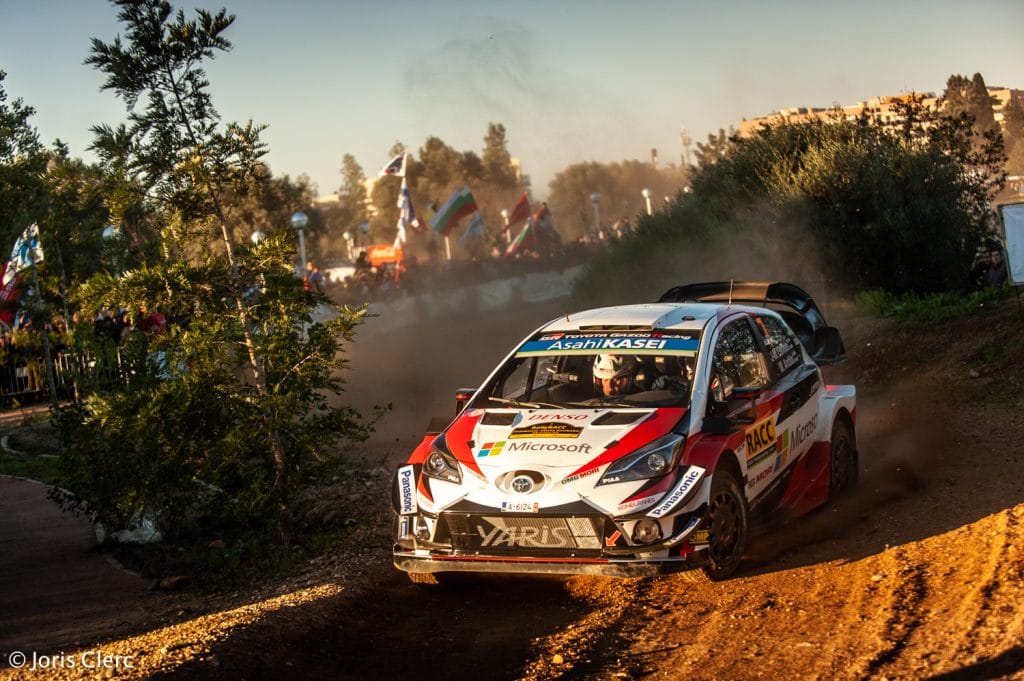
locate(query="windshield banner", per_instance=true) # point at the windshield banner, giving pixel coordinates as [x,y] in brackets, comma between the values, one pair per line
[654,343]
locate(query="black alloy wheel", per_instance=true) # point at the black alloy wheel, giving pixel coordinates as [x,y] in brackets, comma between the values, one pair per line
[842,460]
[727,525]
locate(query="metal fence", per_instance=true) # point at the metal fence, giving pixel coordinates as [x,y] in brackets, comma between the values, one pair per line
[23,378]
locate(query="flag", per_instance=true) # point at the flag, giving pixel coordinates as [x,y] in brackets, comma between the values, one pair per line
[26,252]
[395,166]
[520,238]
[406,213]
[476,229]
[460,204]
[542,218]
[520,212]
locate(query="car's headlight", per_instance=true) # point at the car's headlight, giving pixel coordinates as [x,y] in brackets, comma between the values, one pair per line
[650,461]
[442,465]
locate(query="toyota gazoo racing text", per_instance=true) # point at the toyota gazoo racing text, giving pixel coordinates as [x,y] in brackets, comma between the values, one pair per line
[633,440]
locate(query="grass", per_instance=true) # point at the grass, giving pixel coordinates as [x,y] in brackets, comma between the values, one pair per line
[32,450]
[915,310]
[1000,362]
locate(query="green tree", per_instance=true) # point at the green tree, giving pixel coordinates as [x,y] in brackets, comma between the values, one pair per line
[352,195]
[871,205]
[715,148]
[620,186]
[497,162]
[969,97]
[1013,134]
[232,394]
[71,232]
[22,166]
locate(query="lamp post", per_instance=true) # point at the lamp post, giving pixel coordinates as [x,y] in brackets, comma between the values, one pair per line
[299,222]
[647,197]
[349,247]
[595,199]
[508,234]
[112,240]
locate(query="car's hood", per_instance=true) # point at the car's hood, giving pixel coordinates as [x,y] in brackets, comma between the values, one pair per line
[568,449]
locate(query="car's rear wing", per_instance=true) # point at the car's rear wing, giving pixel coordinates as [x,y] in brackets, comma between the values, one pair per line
[793,303]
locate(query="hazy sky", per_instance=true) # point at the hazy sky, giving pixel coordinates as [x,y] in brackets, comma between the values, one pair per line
[571,80]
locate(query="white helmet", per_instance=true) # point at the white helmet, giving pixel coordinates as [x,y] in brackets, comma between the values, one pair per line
[614,366]
[606,366]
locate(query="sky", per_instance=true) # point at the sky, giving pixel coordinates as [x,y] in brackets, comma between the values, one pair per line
[571,80]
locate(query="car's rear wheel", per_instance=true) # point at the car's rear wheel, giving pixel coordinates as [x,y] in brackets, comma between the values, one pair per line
[843,464]
[727,525]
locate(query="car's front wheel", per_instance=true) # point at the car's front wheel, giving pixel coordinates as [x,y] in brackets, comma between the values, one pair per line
[842,460]
[727,525]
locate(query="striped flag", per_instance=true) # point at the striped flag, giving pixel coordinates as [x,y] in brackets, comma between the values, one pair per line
[476,229]
[520,211]
[26,253]
[395,166]
[406,214]
[460,204]
[520,238]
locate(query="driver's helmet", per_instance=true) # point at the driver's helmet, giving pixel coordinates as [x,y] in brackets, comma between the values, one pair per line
[613,374]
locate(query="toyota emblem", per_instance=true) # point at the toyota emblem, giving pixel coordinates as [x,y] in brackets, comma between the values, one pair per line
[522,484]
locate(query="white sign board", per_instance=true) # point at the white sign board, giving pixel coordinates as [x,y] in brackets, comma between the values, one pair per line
[1013,222]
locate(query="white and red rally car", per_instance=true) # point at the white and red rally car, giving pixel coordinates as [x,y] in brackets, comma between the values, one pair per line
[633,440]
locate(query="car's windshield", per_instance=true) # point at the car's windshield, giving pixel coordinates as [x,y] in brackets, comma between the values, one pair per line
[593,369]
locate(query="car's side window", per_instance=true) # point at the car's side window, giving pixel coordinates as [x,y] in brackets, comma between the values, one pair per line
[783,348]
[738,361]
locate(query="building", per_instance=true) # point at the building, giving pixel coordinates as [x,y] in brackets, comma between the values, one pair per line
[883,107]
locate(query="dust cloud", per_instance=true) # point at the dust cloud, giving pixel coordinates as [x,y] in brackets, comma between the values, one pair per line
[417,367]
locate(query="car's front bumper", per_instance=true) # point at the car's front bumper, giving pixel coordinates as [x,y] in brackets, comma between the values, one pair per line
[411,561]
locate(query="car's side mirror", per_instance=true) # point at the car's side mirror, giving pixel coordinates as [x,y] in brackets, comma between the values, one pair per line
[750,392]
[718,425]
[462,397]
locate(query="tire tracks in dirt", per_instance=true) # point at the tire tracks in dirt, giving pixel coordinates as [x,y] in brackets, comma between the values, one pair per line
[904,596]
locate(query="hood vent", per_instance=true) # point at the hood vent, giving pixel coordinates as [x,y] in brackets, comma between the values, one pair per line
[619,418]
[499,418]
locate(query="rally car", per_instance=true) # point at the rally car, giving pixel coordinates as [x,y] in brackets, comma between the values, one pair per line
[634,440]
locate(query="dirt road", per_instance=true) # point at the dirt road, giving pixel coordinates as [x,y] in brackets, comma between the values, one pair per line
[918,575]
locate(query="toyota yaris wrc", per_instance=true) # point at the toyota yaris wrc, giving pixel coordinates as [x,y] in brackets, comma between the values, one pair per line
[633,440]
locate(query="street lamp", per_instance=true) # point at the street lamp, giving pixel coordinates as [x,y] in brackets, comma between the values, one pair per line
[647,197]
[113,246]
[299,222]
[349,247]
[508,234]
[595,199]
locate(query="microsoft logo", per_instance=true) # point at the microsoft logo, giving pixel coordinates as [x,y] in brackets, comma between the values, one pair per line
[490,449]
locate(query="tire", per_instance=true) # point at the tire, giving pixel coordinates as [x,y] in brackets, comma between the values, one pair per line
[843,466]
[727,526]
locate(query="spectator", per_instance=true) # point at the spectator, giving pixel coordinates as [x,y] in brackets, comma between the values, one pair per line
[314,279]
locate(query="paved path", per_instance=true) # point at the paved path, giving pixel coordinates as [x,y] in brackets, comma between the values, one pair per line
[55,591]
